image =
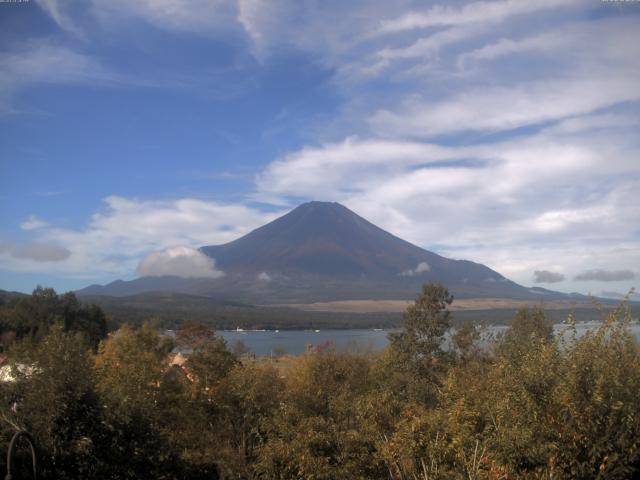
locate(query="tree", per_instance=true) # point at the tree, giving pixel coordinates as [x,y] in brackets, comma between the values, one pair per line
[34,316]
[464,339]
[416,352]
[90,320]
[193,334]
[239,348]
[55,399]
[244,402]
[130,367]
[320,431]
[529,327]
[210,362]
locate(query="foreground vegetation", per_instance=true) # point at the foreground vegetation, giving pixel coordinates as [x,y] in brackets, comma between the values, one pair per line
[530,405]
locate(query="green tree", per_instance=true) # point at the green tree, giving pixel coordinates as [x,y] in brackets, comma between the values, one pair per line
[89,320]
[55,399]
[415,353]
[33,316]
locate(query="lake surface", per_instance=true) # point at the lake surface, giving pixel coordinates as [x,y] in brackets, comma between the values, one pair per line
[294,341]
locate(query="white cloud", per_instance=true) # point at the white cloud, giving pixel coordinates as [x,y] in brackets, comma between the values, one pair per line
[324,171]
[33,223]
[114,240]
[59,12]
[422,267]
[507,108]
[328,33]
[197,16]
[476,12]
[184,262]
[575,69]
[264,277]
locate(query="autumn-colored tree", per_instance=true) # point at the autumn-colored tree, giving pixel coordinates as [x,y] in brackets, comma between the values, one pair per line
[193,335]
[130,366]
[320,432]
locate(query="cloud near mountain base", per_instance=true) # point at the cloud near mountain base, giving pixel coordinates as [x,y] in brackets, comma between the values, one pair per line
[422,267]
[183,262]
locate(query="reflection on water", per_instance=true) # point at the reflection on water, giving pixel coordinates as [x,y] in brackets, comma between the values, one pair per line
[294,341]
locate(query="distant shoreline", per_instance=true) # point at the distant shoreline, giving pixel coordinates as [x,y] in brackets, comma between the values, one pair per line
[464,304]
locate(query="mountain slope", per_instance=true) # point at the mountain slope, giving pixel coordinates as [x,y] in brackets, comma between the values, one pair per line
[323,251]
[321,238]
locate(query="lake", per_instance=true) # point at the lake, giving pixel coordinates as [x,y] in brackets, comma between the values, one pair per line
[294,341]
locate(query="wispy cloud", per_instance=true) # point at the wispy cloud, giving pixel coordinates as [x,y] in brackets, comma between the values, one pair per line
[47,61]
[33,223]
[506,108]
[39,62]
[477,12]
[196,16]
[60,12]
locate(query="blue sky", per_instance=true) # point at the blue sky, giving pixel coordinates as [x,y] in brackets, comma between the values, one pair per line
[504,132]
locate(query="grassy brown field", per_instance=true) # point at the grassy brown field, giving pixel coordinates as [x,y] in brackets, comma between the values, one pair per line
[395,306]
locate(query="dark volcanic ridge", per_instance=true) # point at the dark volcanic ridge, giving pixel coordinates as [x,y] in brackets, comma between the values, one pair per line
[323,251]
